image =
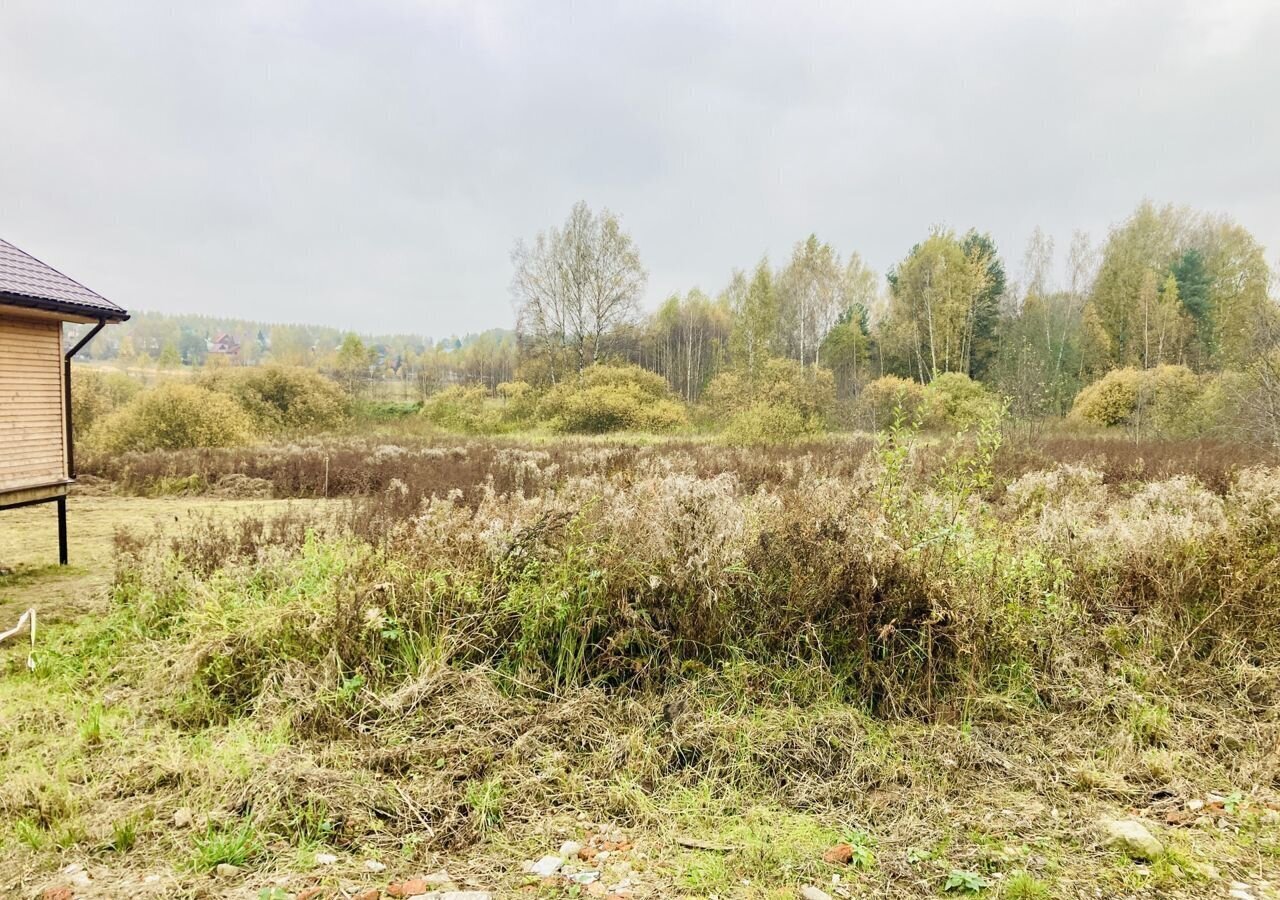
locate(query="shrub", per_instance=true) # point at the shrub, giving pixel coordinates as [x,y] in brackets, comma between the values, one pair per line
[605,398]
[954,400]
[461,409]
[518,394]
[881,400]
[97,394]
[471,410]
[724,395]
[780,382]
[1110,400]
[519,401]
[281,399]
[173,416]
[1171,396]
[1164,401]
[781,402]
[764,423]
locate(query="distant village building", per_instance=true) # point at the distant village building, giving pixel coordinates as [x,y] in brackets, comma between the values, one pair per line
[37,459]
[226,346]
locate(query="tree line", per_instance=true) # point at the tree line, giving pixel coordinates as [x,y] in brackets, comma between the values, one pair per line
[162,341]
[1168,286]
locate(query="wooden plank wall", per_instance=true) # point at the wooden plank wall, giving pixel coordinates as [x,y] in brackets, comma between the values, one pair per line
[32,434]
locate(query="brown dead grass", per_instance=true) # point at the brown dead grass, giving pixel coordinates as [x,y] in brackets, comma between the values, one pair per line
[256,674]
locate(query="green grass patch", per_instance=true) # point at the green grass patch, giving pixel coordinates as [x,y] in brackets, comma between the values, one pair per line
[236,844]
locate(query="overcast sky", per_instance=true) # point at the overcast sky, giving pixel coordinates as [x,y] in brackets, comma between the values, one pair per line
[369,165]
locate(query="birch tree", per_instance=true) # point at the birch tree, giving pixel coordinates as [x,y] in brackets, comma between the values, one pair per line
[755,333]
[810,291]
[574,287]
[935,304]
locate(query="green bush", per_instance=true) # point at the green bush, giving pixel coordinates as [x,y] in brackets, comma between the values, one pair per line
[883,399]
[281,399]
[465,410]
[783,401]
[173,416]
[780,382]
[1110,400]
[1166,401]
[470,409]
[519,401]
[954,400]
[1171,397]
[765,423]
[605,398]
[96,394]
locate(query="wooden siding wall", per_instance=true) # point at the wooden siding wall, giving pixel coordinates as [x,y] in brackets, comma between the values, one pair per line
[32,433]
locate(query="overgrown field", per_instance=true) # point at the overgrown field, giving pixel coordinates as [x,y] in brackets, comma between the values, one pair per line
[959,657]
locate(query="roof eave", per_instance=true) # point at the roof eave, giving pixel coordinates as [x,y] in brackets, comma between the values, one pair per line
[67,307]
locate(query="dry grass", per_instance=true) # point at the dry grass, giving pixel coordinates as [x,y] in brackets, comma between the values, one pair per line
[955,662]
[338,467]
[427,466]
[1122,460]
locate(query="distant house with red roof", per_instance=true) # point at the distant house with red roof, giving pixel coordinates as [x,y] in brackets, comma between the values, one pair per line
[226,346]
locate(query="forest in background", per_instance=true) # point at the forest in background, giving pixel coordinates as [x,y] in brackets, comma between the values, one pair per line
[1168,327]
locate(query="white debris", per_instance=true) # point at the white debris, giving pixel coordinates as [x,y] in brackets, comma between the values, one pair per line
[545,867]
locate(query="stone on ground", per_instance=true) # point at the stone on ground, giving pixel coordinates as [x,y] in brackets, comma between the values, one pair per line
[439,879]
[546,867]
[1133,838]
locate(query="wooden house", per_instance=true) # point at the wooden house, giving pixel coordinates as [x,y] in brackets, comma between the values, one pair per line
[37,460]
[226,346]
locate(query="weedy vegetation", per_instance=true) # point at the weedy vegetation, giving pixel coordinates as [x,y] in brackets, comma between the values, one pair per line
[955,654]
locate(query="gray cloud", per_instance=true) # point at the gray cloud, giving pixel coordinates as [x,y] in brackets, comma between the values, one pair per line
[370,165]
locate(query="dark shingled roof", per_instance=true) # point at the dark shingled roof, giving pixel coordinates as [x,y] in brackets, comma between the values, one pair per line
[25,281]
